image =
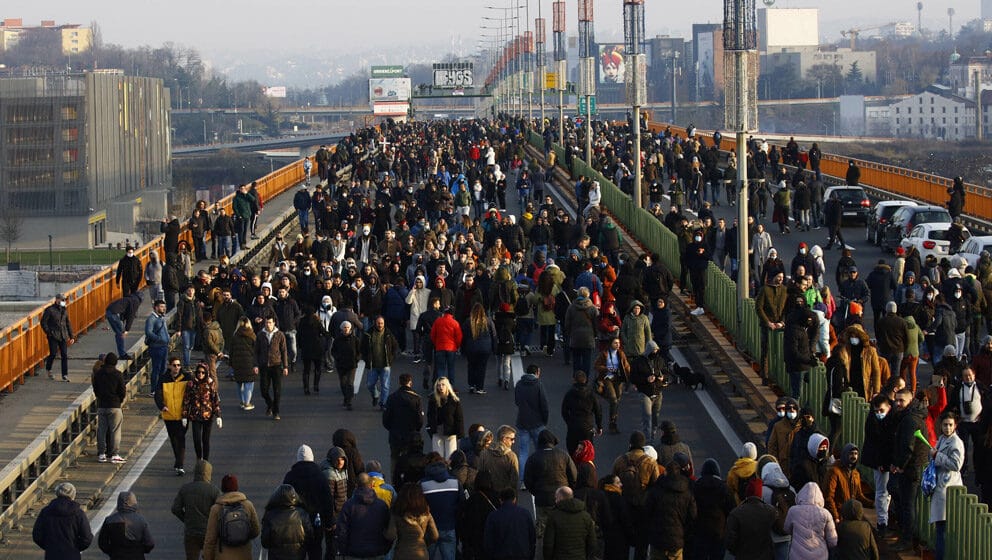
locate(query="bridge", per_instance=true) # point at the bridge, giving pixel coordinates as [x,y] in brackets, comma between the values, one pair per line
[51,425]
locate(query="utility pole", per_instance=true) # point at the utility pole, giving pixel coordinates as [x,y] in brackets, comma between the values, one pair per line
[587,68]
[636,80]
[675,73]
[979,132]
[529,64]
[561,64]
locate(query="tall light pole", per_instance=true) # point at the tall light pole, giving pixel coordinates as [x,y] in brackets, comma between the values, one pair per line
[561,63]
[675,73]
[587,67]
[635,79]
[529,63]
[740,44]
[540,36]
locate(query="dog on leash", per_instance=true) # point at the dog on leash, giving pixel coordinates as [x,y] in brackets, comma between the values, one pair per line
[689,378]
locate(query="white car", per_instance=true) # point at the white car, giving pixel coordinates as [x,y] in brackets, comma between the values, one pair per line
[931,239]
[973,247]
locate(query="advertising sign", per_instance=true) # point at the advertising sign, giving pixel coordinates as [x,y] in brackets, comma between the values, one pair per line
[612,68]
[450,75]
[274,91]
[389,89]
[387,71]
[390,109]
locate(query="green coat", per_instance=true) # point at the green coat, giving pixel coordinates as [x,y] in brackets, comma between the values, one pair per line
[570,532]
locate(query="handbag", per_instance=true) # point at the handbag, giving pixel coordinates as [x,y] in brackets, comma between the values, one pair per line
[928,484]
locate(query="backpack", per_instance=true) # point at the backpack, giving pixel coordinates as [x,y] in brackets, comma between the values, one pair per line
[630,478]
[522,308]
[235,528]
[548,302]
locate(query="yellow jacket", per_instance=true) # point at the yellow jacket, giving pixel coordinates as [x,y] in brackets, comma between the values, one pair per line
[172,393]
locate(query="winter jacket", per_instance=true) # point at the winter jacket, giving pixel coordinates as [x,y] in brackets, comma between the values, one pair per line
[876,451]
[129,271]
[502,464]
[379,349]
[569,533]
[126,308]
[485,343]
[798,351]
[412,535]
[194,500]
[843,483]
[362,524]
[671,512]
[444,494]
[635,331]
[213,338]
[509,532]
[580,320]
[446,334]
[212,547]
[949,460]
[125,534]
[546,471]
[312,490]
[311,338]
[62,530]
[346,352]
[445,419]
[241,348]
[532,403]
[156,331]
[201,403]
[749,529]
[714,502]
[908,452]
[892,333]
[811,526]
[336,480]
[286,527]
[744,469]
[403,417]
[108,387]
[780,440]
[855,538]
[580,410]
[170,394]
[355,465]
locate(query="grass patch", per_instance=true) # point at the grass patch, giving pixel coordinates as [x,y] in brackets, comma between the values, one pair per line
[63,257]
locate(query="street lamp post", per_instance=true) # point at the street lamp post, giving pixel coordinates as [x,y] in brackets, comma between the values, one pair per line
[633,18]
[587,67]
[675,70]
[561,64]
[540,36]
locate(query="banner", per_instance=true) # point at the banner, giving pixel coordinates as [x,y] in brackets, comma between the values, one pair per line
[389,89]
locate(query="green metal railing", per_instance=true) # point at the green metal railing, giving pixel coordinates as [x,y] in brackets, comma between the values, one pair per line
[969,523]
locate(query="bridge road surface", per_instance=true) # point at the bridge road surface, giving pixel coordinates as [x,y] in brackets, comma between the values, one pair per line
[33,406]
[259,450]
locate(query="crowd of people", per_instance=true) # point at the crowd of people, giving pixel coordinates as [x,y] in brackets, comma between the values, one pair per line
[417,256]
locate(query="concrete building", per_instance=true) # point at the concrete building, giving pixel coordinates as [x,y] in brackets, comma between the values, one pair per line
[707,67]
[780,28]
[934,113]
[74,38]
[801,60]
[987,10]
[74,146]
[961,74]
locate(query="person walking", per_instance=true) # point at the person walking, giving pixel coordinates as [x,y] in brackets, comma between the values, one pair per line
[58,330]
[314,496]
[346,352]
[411,526]
[403,418]
[581,412]
[362,523]
[478,343]
[120,316]
[241,355]
[444,418]
[158,339]
[189,320]
[169,397]
[646,373]
[533,413]
[125,534]
[446,339]
[62,529]
[128,274]
[570,532]
[547,470]
[192,506]
[272,364]
[313,341]
[580,332]
[445,497]
[286,527]
[236,514]
[201,407]
[379,349]
[500,461]
[110,392]
[612,374]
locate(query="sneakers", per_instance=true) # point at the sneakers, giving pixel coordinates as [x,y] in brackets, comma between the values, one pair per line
[180,471]
[51,375]
[697,311]
[249,406]
[117,460]
[242,405]
[102,458]
[65,379]
[480,391]
[277,417]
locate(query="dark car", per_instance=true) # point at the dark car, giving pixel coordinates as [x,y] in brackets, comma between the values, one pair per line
[854,201]
[879,217]
[908,217]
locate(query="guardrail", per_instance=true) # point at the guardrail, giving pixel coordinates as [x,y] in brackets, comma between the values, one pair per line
[966,520]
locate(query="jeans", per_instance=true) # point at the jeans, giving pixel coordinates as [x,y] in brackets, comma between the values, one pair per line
[290,346]
[304,216]
[177,439]
[506,368]
[959,343]
[241,226]
[444,548]
[117,325]
[908,486]
[62,348]
[347,380]
[189,339]
[224,245]
[581,359]
[271,379]
[108,431]
[158,355]
[318,367]
[525,439]
[378,383]
[201,438]
[882,497]
[444,365]
[477,362]
[650,414]
[804,218]
[941,534]
[795,383]
[245,390]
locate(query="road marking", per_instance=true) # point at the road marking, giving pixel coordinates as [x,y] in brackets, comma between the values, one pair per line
[359,372]
[135,472]
[516,368]
[713,411]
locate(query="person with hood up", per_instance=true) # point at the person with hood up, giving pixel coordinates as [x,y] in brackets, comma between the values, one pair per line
[231,499]
[346,440]
[743,471]
[445,422]
[192,506]
[843,482]
[811,526]
[635,330]
[860,362]
[882,287]
[855,539]
[125,534]
[813,467]
[579,330]
[310,485]
[570,531]
[714,502]
[61,528]
[670,509]
[798,350]
[670,443]
[500,461]
[548,469]
[777,493]
[533,412]
[362,523]
[286,526]
[334,468]
[581,412]
[750,526]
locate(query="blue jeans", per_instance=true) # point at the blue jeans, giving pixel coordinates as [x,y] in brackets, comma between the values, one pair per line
[224,245]
[242,225]
[378,383]
[290,346]
[304,216]
[526,438]
[189,339]
[941,527]
[444,365]
[245,390]
[117,325]
[158,355]
[650,414]
[444,548]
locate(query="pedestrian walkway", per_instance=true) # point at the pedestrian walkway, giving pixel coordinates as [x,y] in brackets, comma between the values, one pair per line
[33,406]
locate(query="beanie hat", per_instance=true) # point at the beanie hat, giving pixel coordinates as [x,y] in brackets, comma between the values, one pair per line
[650,451]
[856,308]
[637,440]
[681,460]
[547,439]
[304,453]
[749,450]
[229,483]
[373,466]
[66,490]
[753,488]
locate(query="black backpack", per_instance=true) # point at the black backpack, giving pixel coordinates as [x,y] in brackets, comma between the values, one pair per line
[630,478]
[235,527]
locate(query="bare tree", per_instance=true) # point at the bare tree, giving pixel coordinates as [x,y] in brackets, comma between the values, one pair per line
[11,228]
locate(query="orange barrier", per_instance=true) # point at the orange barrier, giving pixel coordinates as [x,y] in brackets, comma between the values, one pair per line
[24,346]
[917,185]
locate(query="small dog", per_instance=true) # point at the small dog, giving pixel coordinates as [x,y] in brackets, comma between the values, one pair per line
[690,378]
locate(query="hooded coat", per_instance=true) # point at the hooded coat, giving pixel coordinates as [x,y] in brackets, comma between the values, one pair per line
[714,502]
[62,530]
[310,484]
[777,493]
[502,464]
[749,529]
[125,534]
[871,370]
[286,526]
[362,524]
[194,500]
[812,527]
[347,441]
[580,321]
[843,483]
[855,539]
[811,468]
[548,469]
[635,331]
[335,480]
[670,509]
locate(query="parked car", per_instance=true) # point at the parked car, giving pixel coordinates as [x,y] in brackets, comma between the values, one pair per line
[931,239]
[853,199]
[908,217]
[972,249]
[880,216]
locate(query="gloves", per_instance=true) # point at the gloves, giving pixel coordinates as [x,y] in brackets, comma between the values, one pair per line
[220,422]
[185,422]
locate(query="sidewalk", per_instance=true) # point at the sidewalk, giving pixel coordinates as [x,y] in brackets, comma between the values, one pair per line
[33,406]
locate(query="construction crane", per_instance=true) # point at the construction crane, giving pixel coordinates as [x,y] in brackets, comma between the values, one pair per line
[853,33]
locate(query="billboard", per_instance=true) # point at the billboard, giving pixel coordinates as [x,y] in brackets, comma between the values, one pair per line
[274,91]
[705,63]
[453,75]
[391,109]
[612,68]
[394,71]
[389,89]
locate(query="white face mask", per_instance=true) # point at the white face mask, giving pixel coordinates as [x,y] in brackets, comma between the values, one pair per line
[855,341]
[130,253]
[802,251]
[366,231]
[880,415]
[957,294]
[698,239]
[62,303]
[781,414]
[791,415]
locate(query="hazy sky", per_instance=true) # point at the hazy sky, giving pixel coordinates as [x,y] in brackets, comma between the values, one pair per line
[215,26]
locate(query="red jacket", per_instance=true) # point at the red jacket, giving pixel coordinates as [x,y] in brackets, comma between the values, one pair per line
[446,334]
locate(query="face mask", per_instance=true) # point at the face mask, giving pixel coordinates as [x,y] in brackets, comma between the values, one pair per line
[326,305]
[929,297]
[698,239]
[337,237]
[821,454]
[957,294]
[855,341]
[791,415]
[130,253]
[366,231]
[880,415]
[781,413]
[802,251]
[62,303]
[306,273]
